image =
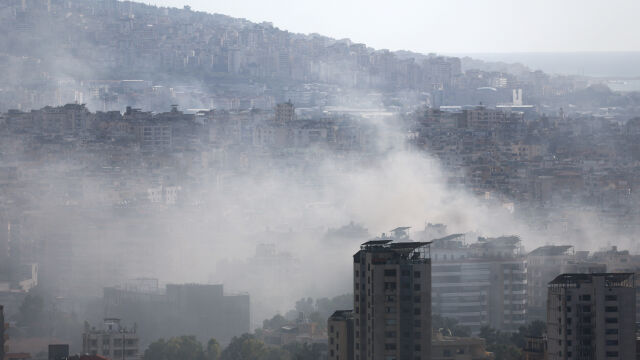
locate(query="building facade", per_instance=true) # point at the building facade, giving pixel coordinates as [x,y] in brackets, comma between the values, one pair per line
[479,284]
[112,341]
[591,316]
[340,335]
[392,301]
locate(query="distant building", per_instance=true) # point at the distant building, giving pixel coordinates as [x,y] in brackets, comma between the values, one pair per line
[340,333]
[285,112]
[479,284]
[543,265]
[197,309]
[112,341]
[535,348]
[458,348]
[392,300]
[591,316]
[58,352]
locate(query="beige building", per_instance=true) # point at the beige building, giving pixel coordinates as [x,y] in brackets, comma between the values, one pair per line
[340,335]
[392,301]
[591,316]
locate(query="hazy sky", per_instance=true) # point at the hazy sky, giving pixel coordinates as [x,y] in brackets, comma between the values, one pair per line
[449,26]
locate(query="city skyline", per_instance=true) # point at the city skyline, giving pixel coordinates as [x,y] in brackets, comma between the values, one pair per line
[571,26]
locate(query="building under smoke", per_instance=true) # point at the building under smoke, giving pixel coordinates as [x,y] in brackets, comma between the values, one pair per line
[112,341]
[392,300]
[479,284]
[201,310]
[591,316]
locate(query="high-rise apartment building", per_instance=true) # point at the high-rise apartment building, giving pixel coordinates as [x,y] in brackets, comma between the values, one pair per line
[479,284]
[392,301]
[591,316]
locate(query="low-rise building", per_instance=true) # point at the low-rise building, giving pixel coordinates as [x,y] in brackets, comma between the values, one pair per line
[340,333]
[112,341]
[458,348]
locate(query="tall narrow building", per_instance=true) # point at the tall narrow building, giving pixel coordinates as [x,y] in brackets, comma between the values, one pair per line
[2,339]
[591,316]
[392,301]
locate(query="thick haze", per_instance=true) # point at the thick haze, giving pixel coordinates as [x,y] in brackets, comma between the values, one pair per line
[443,26]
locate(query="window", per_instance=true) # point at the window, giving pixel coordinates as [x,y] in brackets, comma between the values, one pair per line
[416,347]
[611,320]
[612,354]
[416,311]
[568,309]
[390,334]
[611,331]
[390,272]
[416,287]
[389,285]
[416,299]
[611,298]
[390,346]
[417,335]
[586,308]
[586,297]
[416,274]
[331,329]
[417,323]
[611,309]
[612,342]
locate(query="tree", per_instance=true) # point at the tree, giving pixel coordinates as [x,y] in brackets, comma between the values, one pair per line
[300,351]
[276,322]
[245,347]
[177,348]
[305,306]
[213,350]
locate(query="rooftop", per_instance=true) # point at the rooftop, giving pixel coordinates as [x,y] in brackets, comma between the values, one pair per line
[611,279]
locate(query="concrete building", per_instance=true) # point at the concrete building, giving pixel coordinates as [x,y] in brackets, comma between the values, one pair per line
[58,352]
[458,348]
[535,348]
[479,284]
[112,341]
[392,300]
[544,264]
[285,112]
[591,316]
[340,333]
[198,309]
